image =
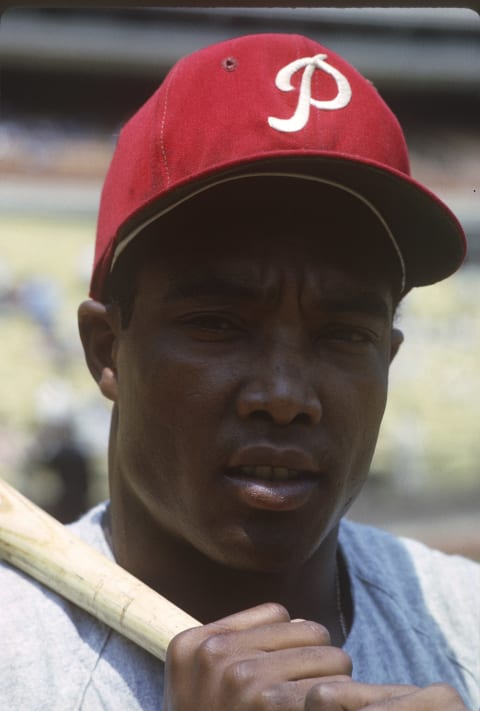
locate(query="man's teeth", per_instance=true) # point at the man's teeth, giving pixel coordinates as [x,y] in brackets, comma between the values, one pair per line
[269,473]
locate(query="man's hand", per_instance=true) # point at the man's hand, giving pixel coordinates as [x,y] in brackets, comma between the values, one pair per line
[370,697]
[254,660]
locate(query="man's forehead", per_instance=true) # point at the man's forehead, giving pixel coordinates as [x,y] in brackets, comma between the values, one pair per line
[265,282]
[255,254]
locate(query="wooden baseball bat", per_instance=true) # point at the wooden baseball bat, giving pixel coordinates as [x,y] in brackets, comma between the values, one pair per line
[35,542]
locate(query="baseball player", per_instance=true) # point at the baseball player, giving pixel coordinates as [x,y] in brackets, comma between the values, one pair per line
[257,231]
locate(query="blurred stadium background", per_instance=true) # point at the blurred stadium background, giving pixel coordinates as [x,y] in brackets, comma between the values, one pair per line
[69,79]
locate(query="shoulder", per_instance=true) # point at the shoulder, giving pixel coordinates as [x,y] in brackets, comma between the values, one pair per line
[90,529]
[44,637]
[19,589]
[373,548]
[393,563]
[416,591]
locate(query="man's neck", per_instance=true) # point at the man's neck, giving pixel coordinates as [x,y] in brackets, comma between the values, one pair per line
[208,590]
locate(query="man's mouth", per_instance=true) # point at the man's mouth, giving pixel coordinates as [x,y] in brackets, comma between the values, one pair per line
[269,473]
[273,479]
[267,462]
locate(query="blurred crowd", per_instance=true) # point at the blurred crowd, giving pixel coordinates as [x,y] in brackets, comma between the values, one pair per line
[55,457]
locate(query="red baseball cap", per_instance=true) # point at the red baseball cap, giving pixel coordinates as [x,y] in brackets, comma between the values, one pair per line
[271,104]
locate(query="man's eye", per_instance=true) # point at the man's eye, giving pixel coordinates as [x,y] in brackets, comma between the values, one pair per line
[348,334]
[213,325]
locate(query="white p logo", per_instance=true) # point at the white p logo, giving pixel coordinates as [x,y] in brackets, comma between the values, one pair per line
[302,112]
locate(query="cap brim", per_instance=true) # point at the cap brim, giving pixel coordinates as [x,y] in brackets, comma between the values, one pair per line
[429,236]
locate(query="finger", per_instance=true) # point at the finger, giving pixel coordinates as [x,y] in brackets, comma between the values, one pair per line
[269,613]
[354,696]
[291,665]
[437,697]
[273,637]
[221,638]
[266,614]
[287,696]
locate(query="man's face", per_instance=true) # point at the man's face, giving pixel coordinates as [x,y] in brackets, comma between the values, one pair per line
[252,380]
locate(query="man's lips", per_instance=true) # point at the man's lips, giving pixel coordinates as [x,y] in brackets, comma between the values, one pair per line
[269,473]
[274,479]
[268,462]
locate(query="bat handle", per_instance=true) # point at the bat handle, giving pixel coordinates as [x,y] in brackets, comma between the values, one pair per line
[32,540]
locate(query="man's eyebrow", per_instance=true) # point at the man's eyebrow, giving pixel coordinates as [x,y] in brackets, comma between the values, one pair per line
[369,303]
[211,286]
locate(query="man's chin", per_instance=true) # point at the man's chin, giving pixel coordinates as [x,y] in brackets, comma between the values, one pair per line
[261,554]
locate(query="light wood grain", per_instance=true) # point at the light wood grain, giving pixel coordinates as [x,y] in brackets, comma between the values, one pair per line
[39,545]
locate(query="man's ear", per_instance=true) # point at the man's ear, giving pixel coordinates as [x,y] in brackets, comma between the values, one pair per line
[395,342]
[98,332]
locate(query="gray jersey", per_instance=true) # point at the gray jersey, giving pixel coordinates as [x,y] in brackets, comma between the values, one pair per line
[416,620]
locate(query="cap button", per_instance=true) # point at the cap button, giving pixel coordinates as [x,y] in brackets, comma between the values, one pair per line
[229,64]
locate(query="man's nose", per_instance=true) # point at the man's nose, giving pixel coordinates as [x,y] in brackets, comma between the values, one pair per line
[280,387]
